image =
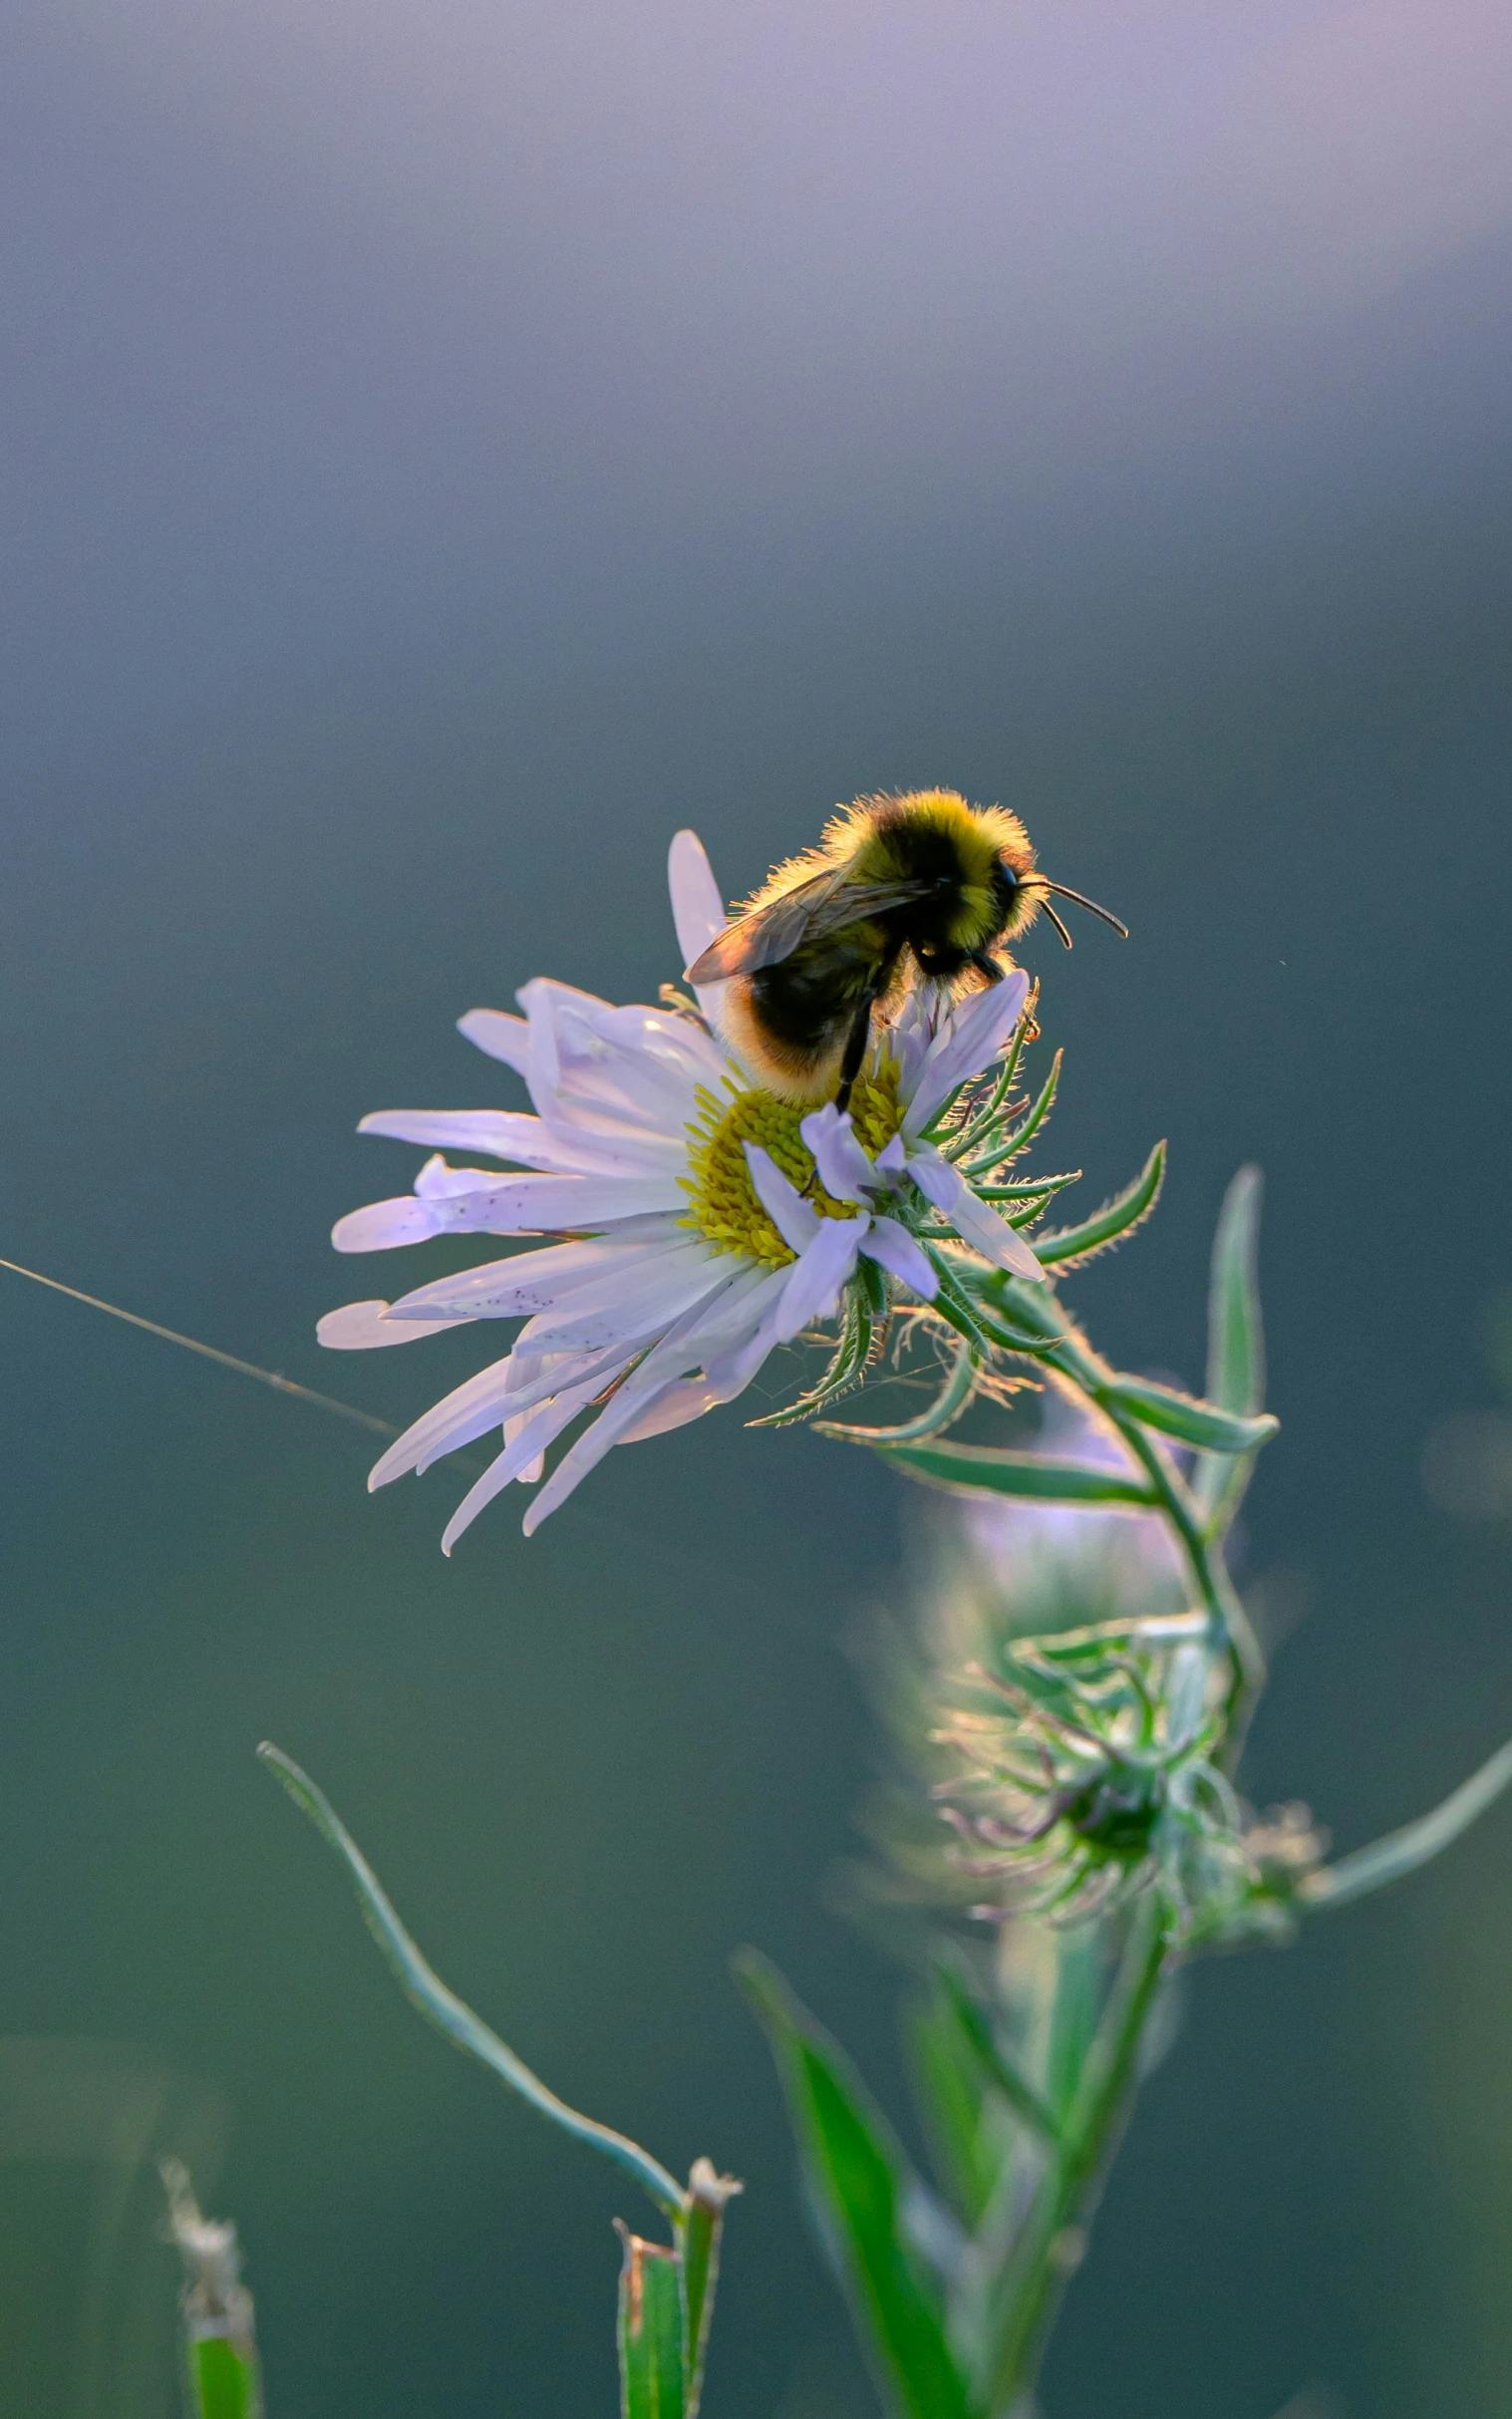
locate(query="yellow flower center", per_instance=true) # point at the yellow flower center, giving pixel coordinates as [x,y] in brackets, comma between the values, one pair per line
[723,1202]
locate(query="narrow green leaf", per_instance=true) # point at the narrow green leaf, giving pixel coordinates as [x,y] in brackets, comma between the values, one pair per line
[996,2067]
[1403,1852]
[445,2011]
[1074,1246]
[1236,1344]
[986,1469]
[1200,1424]
[858,2176]
[650,2330]
[699,2269]
[949,2090]
[1003,1144]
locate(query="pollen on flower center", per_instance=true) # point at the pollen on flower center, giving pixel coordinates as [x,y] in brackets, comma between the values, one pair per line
[723,1202]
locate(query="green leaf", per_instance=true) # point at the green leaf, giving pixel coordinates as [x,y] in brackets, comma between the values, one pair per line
[986,1469]
[1074,1246]
[447,2012]
[1403,1852]
[949,2089]
[699,2268]
[1201,1423]
[994,2066]
[1236,1344]
[858,2176]
[650,2330]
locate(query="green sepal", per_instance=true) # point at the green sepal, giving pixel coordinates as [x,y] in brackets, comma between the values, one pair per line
[845,1371]
[986,1469]
[1236,1345]
[1221,1433]
[450,2015]
[949,1404]
[650,2330]
[858,2178]
[1003,1144]
[1028,1188]
[1416,1844]
[1074,1246]
[222,2379]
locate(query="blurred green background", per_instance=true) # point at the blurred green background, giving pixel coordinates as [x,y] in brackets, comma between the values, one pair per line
[445,449]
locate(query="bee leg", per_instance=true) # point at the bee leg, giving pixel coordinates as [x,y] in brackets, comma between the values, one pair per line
[986,966]
[855,1050]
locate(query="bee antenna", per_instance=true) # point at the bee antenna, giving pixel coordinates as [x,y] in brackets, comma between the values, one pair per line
[1059,927]
[1090,905]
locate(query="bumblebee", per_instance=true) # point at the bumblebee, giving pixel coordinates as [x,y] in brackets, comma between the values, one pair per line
[920,882]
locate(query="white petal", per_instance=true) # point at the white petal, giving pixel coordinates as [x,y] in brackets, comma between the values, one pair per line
[698,910]
[360,1326]
[813,1286]
[539,1280]
[844,1168]
[382,1224]
[503,1037]
[503,1133]
[535,1205]
[894,1247]
[976,1222]
[517,1456]
[968,1040]
[796,1220]
[439,1179]
[635,1316]
[483,1403]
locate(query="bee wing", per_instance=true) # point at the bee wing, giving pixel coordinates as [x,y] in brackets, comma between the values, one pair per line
[828,902]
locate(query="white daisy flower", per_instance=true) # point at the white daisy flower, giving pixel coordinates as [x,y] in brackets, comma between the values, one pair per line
[707,1220]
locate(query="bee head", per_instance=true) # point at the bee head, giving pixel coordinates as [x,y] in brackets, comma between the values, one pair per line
[1018,891]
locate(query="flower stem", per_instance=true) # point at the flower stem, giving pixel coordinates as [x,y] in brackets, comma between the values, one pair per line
[1089,2138]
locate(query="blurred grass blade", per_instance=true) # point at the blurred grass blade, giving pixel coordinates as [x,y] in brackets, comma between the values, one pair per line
[223,2381]
[1222,1433]
[650,2331]
[699,2269]
[1403,1852]
[989,1470]
[1075,1244]
[447,2012]
[1236,1344]
[215,2309]
[859,2178]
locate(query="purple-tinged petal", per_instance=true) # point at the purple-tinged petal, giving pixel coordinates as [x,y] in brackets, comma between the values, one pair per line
[846,1171]
[503,1037]
[813,1286]
[796,1220]
[976,1222]
[968,1040]
[894,1247]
